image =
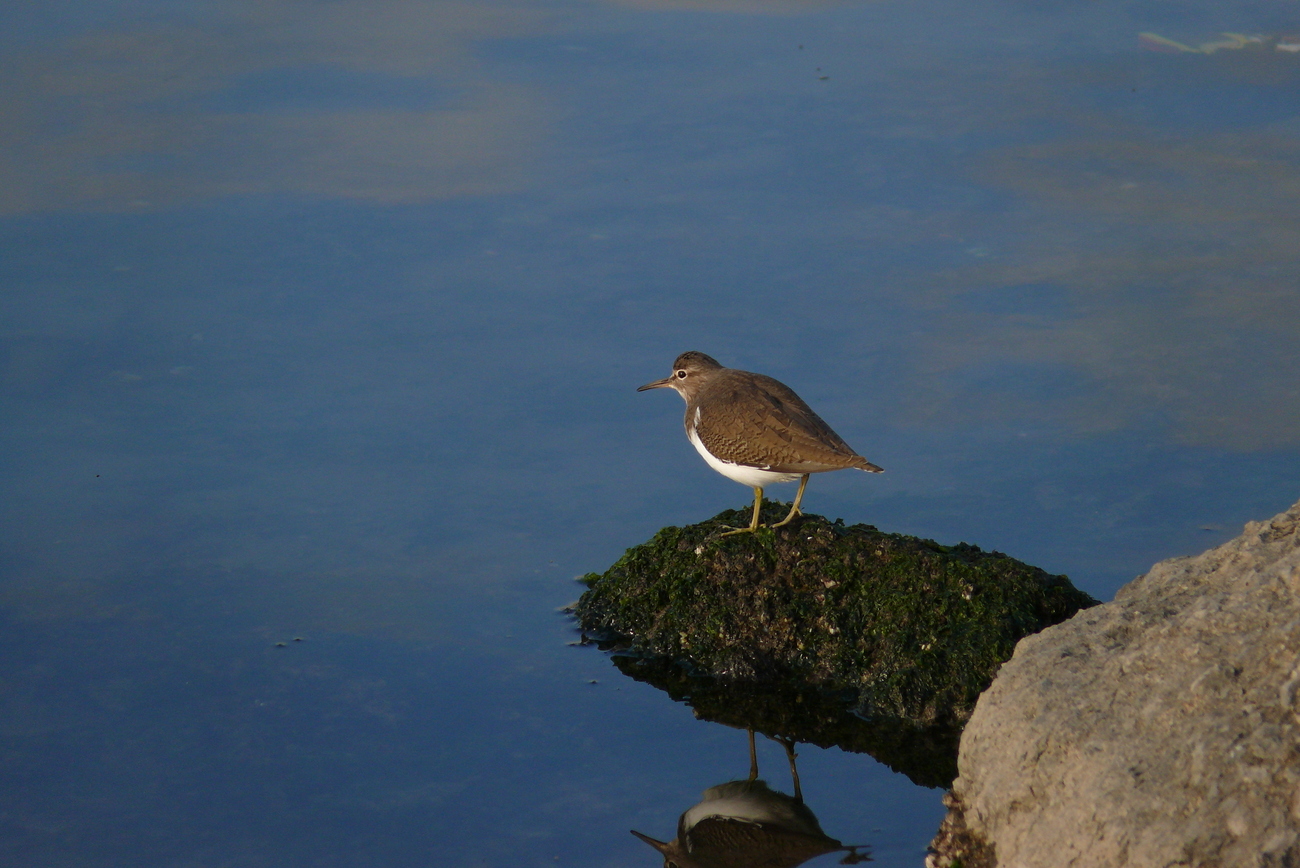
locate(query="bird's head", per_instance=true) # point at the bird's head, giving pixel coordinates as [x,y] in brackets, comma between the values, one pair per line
[675,855]
[689,372]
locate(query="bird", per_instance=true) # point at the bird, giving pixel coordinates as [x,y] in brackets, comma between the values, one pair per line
[755,430]
[745,823]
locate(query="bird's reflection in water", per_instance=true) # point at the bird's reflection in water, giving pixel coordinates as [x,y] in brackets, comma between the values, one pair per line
[746,824]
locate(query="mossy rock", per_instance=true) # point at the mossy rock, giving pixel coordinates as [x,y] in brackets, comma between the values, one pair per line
[911,628]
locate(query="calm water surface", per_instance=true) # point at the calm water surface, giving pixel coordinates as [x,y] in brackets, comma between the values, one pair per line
[320,328]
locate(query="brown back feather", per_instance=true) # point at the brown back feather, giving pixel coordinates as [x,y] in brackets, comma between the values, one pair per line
[756,421]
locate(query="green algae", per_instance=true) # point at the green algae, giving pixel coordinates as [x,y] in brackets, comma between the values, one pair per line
[907,627]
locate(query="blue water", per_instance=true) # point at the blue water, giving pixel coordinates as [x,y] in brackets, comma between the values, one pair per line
[319,335]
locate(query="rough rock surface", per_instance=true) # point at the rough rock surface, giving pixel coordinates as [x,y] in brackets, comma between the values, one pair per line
[900,626]
[1160,729]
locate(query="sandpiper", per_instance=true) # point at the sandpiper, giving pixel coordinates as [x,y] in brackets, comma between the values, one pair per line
[748,823]
[755,430]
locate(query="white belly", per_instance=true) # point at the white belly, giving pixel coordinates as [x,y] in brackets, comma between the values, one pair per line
[752,810]
[754,477]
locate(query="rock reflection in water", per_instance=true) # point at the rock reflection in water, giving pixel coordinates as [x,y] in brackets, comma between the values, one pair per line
[927,755]
[747,824]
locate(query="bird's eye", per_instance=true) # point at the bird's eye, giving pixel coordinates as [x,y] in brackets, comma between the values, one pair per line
[681,375]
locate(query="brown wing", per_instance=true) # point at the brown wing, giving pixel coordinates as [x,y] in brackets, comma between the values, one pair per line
[723,842]
[756,421]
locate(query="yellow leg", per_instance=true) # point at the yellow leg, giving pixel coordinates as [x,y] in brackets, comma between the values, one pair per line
[788,744]
[753,524]
[794,510]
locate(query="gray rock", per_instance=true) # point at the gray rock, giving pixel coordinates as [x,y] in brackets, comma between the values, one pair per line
[1162,728]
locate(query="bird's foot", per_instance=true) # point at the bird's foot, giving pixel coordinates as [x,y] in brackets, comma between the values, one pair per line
[753,522]
[795,512]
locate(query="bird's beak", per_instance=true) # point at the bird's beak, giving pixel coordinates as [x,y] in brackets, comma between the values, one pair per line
[661,846]
[665,383]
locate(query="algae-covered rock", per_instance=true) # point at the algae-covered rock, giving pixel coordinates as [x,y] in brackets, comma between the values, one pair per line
[907,627]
